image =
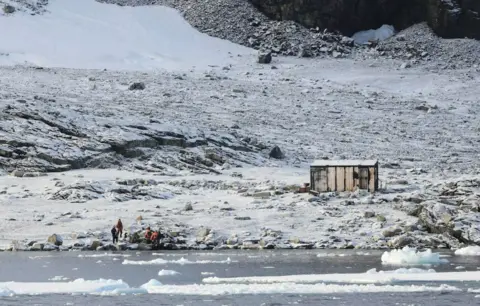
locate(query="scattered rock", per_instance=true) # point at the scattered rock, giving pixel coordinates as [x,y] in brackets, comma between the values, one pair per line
[381,218]
[262,194]
[55,240]
[369,214]
[265,57]
[400,242]
[243,218]
[276,153]
[188,207]
[8,9]
[37,247]
[137,86]
[392,232]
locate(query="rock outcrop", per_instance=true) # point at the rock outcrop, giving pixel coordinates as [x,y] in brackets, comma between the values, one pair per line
[452,18]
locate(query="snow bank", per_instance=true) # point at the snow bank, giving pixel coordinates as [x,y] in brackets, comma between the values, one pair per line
[78,286]
[167,272]
[91,35]
[468,251]
[371,277]
[289,288]
[380,34]
[410,256]
[181,261]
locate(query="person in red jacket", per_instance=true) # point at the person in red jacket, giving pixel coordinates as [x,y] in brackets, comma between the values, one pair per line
[119,228]
[148,233]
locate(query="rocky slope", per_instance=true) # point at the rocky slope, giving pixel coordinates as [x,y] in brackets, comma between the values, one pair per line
[448,18]
[176,134]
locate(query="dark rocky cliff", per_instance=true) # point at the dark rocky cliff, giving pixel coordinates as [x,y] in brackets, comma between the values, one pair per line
[448,18]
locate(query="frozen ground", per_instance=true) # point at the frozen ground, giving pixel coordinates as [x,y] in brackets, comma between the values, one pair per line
[201,130]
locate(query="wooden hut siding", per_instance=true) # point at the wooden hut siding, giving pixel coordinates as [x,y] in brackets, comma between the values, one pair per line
[349,181]
[340,172]
[344,175]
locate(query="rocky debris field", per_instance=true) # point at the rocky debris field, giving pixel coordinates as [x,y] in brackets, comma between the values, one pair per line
[242,23]
[238,210]
[214,157]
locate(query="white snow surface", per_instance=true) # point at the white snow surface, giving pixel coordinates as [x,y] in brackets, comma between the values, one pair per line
[167,272]
[384,32]
[410,256]
[386,277]
[473,250]
[90,35]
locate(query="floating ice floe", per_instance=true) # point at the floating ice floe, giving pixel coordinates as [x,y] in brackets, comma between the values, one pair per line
[343,254]
[181,261]
[78,286]
[402,271]
[371,277]
[288,288]
[167,272]
[58,278]
[103,255]
[468,251]
[410,256]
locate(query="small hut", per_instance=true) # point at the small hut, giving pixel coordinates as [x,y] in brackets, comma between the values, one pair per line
[344,175]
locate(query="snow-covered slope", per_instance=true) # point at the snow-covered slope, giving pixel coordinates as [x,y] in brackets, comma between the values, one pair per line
[90,35]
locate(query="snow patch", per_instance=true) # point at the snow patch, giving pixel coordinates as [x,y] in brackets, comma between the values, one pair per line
[468,251]
[380,34]
[167,272]
[90,35]
[181,261]
[410,256]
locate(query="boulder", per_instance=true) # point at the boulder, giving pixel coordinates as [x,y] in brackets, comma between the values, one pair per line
[262,194]
[243,218]
[137,86]
[202,233]
[265,57]
[55,240]
[8,9]
[50,247]
[381,218]
[37,247]
[394,231]
[369,214]
[188,207]
[276,153]
[95,244]
[400,242]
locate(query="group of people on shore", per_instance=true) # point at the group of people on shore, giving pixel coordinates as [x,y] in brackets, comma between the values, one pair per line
[152,237]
